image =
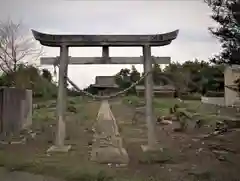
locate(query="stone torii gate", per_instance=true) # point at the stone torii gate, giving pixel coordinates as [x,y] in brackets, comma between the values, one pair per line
[104,41]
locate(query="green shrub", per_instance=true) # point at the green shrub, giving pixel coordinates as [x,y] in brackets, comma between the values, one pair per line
[214,94]
[72,109]
[191,97]
[132,100]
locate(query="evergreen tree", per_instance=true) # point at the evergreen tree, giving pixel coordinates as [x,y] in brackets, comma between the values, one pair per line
[226,13]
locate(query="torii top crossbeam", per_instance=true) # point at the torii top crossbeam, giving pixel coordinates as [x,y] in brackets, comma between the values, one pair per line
[105,40]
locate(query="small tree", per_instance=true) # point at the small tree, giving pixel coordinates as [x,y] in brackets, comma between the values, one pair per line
[15,46]
[47,75]
[134,74]
[122,78]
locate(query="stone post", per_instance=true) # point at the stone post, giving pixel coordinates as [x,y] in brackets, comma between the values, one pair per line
[105,60]
[27,109]
[147,63]
[61,103]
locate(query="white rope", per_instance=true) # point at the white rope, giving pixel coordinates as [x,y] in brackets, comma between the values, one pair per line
[56,64]
[110,96]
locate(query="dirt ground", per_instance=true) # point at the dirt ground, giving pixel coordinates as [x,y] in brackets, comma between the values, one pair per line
[185,156]
[5,175]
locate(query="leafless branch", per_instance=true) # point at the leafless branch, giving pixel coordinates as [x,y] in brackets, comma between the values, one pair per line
[16,46]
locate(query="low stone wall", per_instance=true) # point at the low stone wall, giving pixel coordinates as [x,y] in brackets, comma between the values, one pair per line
[167,94]
[15,110]
[213,100]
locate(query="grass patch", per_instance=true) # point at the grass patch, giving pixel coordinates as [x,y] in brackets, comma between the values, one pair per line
[74,165]
[157,157]
[205,175]
[55,165]
[133,100]
[164,103]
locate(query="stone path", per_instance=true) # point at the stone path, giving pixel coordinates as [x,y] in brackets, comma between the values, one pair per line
[23,176]
[107,144]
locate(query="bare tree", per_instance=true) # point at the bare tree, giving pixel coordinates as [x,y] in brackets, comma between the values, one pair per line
[16,46]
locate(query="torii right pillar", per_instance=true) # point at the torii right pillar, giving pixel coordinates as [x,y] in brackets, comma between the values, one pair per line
[147,66]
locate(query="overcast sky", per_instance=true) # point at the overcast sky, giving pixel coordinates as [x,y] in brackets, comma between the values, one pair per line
[191,17]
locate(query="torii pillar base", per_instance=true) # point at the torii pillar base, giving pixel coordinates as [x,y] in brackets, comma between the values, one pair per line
[60,149]
[110,155]
[147,148]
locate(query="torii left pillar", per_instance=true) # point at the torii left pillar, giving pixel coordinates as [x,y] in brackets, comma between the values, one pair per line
[61,103]
[147,66]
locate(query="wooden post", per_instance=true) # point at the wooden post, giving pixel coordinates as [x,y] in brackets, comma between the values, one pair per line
[105,54]
[149,98]
[105,51]
[61,103]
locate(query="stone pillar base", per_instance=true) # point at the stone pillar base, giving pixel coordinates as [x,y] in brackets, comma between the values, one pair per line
[112,155]
[63,149]
[147,148]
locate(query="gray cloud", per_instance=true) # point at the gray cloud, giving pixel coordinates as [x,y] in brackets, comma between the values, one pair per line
[115,17]
[188,35]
